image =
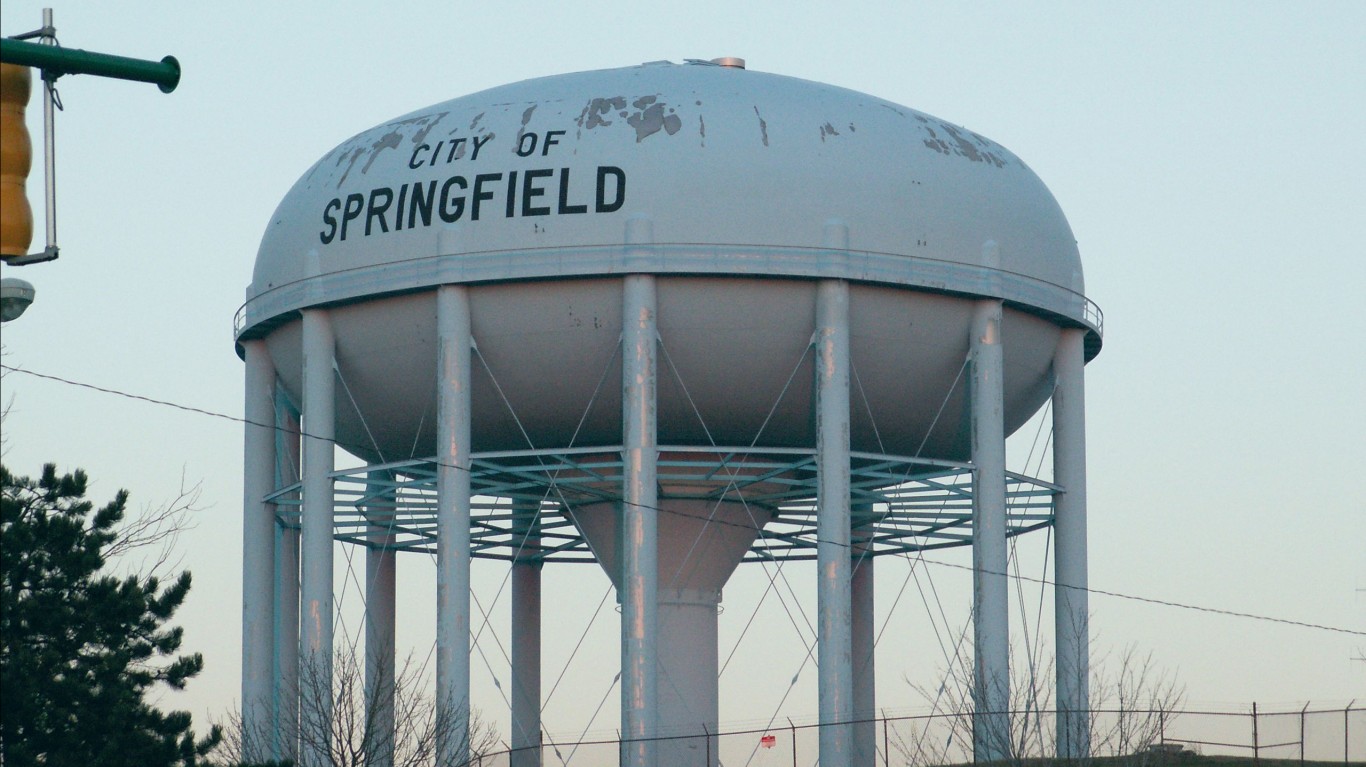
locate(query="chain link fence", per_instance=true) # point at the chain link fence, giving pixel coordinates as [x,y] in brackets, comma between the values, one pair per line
[1135,737]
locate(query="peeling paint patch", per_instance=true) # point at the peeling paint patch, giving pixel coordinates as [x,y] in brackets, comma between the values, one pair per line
[652,118]
[763,126]
[475,121]
[526,118]
[977,149]
[421,135]
[702,129]
[351,151]
[389,140]
[591,116]
[477,143]
[935,143]
[828,130]
[353,156]
[965,147]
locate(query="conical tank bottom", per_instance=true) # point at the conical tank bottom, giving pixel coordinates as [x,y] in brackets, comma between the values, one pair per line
[700,542]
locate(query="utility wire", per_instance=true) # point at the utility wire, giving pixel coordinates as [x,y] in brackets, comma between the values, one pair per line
[969,568]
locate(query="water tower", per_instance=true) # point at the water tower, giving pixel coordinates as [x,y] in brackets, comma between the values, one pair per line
[665,318]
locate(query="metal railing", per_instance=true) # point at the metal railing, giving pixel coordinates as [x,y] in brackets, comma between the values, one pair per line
[1090,311]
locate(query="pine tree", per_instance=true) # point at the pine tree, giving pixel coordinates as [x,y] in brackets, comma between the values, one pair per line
[82,648]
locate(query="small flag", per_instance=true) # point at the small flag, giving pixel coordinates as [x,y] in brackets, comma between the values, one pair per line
[768,741]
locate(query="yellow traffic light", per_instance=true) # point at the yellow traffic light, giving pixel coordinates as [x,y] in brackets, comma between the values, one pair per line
[16,158]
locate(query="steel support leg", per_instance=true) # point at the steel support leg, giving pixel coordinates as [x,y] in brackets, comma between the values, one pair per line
[315,662]
[835,680]
[526,641]
[862,637]
[258,556]
[639,547]
[991,677]
[380,636]
[453,523]
[287,471]
[1069,526]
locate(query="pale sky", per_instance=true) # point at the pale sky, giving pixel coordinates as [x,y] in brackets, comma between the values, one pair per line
[1208,156]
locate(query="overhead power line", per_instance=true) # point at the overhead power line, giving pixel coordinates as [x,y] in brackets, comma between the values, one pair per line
[1042,581]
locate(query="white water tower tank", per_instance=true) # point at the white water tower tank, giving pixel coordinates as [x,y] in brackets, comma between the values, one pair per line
[756,216]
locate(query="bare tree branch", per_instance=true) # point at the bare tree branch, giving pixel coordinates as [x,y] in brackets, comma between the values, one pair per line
[356,735]
[155,531]
[1131,701]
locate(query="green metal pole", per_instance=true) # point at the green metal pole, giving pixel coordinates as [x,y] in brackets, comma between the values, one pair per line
[59,61]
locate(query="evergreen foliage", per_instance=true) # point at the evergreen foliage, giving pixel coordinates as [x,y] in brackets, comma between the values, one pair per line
[82,648]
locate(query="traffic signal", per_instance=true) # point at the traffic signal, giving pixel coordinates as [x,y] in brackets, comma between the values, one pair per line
[16,151]
[16,157]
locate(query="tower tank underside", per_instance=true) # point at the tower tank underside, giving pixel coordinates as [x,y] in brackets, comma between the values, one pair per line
[735,367]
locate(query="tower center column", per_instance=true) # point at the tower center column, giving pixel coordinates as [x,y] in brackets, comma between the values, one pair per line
[526,637]
[381,572]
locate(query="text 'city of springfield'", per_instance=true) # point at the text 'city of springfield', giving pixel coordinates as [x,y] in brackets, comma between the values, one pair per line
[532,192]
